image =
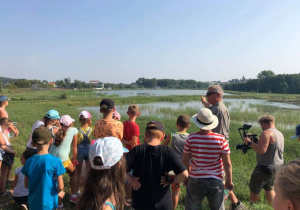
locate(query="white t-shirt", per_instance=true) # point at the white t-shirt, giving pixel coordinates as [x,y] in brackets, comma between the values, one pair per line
[20,190]
[5,137]
[37,124]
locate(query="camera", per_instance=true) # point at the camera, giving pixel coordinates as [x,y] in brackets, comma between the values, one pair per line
[244,147]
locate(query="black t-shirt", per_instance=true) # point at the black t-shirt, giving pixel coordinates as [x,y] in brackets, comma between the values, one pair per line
[150,163]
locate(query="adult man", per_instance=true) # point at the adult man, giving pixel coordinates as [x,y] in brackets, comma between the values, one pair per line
[209,153]
[215,103]
[149,163]
[269,155]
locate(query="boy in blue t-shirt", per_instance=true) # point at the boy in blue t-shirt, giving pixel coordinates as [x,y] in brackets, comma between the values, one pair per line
[43,174]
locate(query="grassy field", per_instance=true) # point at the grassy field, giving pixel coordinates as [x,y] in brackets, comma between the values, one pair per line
[28,106]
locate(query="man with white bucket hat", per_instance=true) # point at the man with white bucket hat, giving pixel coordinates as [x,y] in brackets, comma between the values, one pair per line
[206,152]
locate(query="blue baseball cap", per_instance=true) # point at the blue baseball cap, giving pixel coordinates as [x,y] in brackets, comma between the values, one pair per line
[297,132]
[53,114]
[4,98]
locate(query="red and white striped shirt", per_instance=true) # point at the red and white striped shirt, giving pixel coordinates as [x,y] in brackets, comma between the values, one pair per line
[206,151]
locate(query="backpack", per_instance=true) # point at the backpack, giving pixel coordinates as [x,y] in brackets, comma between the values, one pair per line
[85,140]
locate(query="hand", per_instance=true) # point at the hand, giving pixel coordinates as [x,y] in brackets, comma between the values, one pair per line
[135,183]
[164,181]
[16,132]
[203,99]
[246,140]
[61,194]
[229,185]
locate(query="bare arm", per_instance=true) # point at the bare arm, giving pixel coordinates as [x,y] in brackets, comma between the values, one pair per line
[263,142]
[60,187]
[181,177]
[204,102]
[74,147]
[186,159]
[2,141]
[14,129]
[134,181]
[26,182]
[167,141]
[228,170]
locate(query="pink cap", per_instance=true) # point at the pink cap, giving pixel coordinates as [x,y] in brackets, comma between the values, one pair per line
[116,115]
[86,114]
[66,120]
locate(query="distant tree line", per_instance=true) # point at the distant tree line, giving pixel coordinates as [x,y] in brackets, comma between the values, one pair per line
[170,83]
[268,82]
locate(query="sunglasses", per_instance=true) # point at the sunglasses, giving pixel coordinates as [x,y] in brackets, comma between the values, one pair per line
[210,93]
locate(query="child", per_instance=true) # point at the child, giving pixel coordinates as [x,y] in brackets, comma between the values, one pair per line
[84,138]
[43,174]
[104,184]
[108,126]
[20,193]
[177,141]
[131,130]
[8,156]
[50,120]
[149,162]
[3,113]
[131,139]
[64,139]
[287,186]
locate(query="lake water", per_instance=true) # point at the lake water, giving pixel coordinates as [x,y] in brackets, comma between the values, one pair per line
[160,92]
[232,104]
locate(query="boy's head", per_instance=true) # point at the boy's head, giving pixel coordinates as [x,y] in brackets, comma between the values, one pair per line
[41,136]
[133,110]
[183,121]
[155,129]
[26,155]
[107,105]
[3,100]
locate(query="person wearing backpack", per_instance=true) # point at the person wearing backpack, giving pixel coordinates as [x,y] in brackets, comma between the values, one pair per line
[84,138]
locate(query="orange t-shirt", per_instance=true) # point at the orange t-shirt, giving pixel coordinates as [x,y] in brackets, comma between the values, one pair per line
[106,128]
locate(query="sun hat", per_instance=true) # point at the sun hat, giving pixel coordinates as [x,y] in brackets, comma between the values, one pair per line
[4,98]
[297,132]
[52,114]
[205,119]
[85,114]
[116,115]
[155,125]
[107,103]
[109,149]
[41,136]
[66,120]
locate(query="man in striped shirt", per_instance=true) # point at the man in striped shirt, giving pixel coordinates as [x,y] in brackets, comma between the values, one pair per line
[207,153]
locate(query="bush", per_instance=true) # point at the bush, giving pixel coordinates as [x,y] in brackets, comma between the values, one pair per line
[63,96]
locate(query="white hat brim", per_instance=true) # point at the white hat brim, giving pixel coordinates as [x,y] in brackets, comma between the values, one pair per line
[214,124]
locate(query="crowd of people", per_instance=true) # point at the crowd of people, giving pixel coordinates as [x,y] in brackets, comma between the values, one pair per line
[120,171]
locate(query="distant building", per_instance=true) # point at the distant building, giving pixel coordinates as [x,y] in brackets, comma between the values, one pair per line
[97,84]
[52,84]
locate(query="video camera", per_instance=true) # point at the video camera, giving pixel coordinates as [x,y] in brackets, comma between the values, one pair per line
[244,147]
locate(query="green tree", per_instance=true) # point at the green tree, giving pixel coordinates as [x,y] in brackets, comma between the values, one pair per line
[265,74]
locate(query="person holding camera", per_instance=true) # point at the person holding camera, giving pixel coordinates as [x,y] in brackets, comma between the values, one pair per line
[269,156]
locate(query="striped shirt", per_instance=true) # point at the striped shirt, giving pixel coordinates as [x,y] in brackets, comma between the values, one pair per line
[206,151]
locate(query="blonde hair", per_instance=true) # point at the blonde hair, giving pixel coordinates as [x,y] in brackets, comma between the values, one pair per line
[154,134]
[268,119]
[288,180]
[217,89]
[133,109]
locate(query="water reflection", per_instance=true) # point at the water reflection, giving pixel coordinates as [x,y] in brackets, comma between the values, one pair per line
[150,109]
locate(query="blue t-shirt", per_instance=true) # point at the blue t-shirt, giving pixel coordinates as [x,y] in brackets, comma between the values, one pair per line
[42,171]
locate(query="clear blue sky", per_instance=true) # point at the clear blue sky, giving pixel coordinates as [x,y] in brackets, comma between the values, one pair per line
[121,41]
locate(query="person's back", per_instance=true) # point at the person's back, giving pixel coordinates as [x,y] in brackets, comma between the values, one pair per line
[131,130]
[43,174]
[150,162]
[108,126]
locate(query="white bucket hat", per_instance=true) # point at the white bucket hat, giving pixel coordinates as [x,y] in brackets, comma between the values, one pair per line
[205,119]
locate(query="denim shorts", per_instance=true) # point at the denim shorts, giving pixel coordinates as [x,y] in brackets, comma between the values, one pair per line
[199,188]
[83,152]
[261,180]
